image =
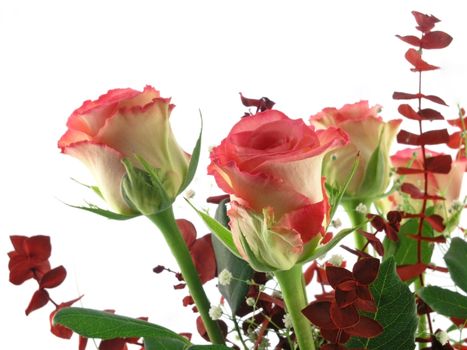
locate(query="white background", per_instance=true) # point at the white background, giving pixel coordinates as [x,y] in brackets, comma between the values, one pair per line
[305,55]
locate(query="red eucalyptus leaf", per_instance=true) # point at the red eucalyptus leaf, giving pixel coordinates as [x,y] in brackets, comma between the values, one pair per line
[331,335]
[262,104]
[53,278]
[217,199]
[439,239]
[455,140]
[459,322]
[36,247]
[415,192]
[436,221]
[438,268]
[82,343]
[365,305]
[415,58]
[344,317]
[363,292]
[425,22]
[432,137]
[345,298]
[310,272]
[408,272]
[430,114]
[359,253]
[408,112]
[59,330]
[113,344]
[435,99]
[39,299]
[439,164]
[366,270]
[203,256]
[188,231]
[410,39]
[202,330]
[374,241]
[436,40]
[460,122]
[404,96]
[336,275]
[366,328]
[318,313]
[409,171]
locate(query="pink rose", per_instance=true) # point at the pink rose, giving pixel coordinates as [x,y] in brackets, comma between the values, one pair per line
[444,185]
[370,137]
[125,124]
[271,166]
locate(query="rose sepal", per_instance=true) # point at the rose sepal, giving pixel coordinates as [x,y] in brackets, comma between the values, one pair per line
[143,190]
[103,212]
[217,229]
[193,165]
[315,253]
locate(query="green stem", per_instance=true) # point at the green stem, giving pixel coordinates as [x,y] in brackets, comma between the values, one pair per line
[294,296]
[165,221]
[422,319]
[356,219]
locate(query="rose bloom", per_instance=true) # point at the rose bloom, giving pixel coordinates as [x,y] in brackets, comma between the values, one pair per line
[370,137]
[271,167]
[125,123]
[444,185]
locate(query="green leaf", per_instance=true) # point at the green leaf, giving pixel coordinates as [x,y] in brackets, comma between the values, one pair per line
[194,159]
[95,189]
[318,252]
[164,344]
[444,301]
[455,260]
[396,312]
[103,325]
[405,250]
[374,174]
[224,235]
[237,289]
[103,212]
[336,195]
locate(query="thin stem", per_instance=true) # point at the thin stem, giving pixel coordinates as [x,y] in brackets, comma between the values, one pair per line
[165,221]
[239,332]
[357,219]
[292,290]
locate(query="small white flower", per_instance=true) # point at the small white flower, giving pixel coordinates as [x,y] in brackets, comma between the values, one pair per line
[250,301]
[442,337]
[336,260]
[225,276]
[190,194]
[361,208]
[215,312]
[287,319]
[336,223]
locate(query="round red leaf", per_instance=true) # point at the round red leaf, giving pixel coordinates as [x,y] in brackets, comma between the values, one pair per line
[53,278]
[337,275]
[366,270]
[318,313]
[365,328]
[39,299]
[344,317]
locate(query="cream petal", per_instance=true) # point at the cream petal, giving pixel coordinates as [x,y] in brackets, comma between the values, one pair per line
[107,169]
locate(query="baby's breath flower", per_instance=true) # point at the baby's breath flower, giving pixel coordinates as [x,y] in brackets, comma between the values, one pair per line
[190,194]
[250,301]
[336,223]
[361,208]
[287,319]
[336,260]
[225,276]
[442,337]
[215,312]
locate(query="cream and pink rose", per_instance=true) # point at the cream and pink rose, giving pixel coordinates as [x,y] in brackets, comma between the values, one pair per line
[370,137]
[125,124]
[271,167]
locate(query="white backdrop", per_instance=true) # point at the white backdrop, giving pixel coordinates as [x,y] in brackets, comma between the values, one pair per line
[55,54]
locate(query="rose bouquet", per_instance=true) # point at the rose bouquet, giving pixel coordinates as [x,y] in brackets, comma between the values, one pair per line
[275,235]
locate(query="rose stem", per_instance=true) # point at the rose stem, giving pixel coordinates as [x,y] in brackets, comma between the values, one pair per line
[357,219]
[294,296]
[165,221]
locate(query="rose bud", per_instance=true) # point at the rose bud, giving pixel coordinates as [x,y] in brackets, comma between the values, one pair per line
[271,167]
[370,137]
[447,186]
[125,124]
